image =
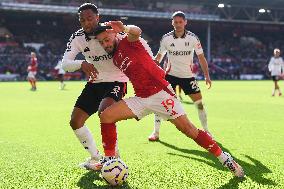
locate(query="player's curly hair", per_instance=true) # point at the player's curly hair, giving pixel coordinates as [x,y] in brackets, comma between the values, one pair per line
[87,6]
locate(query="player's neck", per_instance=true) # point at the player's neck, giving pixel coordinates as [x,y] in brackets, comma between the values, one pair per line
[179,33]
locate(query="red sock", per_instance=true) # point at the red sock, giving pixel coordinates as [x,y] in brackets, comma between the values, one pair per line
[109,137]
[204,140]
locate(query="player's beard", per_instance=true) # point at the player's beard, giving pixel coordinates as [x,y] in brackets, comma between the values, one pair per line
[111,49]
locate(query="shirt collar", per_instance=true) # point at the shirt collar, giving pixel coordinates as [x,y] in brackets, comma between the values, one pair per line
[183,36]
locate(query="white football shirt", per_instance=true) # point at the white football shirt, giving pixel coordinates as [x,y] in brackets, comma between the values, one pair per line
[275,65]
[180,53]
[94,54]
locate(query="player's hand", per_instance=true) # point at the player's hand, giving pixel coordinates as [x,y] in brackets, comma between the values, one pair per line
[208,82]
[89,70]
[157,62]
[117,26]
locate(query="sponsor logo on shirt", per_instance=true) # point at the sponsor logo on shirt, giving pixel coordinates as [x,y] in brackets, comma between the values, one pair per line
[179,53]
[101,58]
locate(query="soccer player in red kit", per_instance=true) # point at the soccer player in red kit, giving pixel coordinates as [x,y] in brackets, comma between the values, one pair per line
[32,70]
[153,94]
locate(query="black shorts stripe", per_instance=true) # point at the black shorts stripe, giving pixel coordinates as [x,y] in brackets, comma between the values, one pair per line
[188,85]
[94,93]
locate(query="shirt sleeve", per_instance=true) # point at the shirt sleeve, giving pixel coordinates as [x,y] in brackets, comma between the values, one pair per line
[163,48]
[69,63]
[197,45]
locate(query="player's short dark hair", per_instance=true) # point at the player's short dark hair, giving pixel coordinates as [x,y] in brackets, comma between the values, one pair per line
[87,6]
[100,29]
[179,14]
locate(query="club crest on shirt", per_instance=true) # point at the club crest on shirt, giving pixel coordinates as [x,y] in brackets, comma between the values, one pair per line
[116,90]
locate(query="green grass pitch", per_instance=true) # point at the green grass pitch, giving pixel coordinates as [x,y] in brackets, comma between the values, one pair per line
[39,150]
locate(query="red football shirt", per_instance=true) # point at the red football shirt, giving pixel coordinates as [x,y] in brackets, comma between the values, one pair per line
[33,65]
[135,62]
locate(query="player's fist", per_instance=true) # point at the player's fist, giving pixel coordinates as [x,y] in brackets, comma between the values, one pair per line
[117,26]
[208,82]
[89,70]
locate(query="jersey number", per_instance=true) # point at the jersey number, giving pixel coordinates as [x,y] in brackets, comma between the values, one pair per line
[194,85]
[169,105]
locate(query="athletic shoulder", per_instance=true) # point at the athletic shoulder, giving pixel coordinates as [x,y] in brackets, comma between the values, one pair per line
[191,34]
[78,36]
[167,35]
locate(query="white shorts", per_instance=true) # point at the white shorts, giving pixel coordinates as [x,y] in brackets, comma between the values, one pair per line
[31,75]
[161,103]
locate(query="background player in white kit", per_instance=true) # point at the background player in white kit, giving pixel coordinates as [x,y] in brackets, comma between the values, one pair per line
[107,83]
[180,45]
[276,67]
[60,74]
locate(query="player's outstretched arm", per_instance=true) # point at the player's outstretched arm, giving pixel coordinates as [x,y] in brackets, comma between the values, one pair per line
[204,67]
[133,32]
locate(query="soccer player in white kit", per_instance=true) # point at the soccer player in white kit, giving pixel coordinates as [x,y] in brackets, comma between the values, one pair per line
[107,84]
[180,46]
[276,67]
[60,74]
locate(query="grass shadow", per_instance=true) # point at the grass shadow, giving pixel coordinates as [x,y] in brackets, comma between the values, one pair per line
[254,170]
[87,181]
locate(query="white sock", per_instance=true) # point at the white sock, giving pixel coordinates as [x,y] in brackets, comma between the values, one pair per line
[222,158]
[202,116]
[273,91]
[157,124]
[86,139]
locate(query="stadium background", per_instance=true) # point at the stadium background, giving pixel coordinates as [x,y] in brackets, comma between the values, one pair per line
[238,37]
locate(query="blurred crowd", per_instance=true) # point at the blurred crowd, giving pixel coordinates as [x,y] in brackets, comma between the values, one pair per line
[230,58]
[236,49]
[146,5]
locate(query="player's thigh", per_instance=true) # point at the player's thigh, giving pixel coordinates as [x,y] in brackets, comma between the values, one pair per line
[191,88]
[183,124]
[115,93]
[116,112]
[165,105]
[78,118]
[90,98]
[106,102]
[172,80]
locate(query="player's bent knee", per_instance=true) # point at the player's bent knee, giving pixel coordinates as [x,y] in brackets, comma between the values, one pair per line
[75,124]
[106,117]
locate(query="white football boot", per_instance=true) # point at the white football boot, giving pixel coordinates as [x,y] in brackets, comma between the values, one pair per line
[90,163]
[153,137]
[233,166]
[98,165]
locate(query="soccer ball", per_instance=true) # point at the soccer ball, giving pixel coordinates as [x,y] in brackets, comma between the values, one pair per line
[115,172]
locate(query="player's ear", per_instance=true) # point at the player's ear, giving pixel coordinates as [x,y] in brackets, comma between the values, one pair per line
[185,22]
[98,18]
